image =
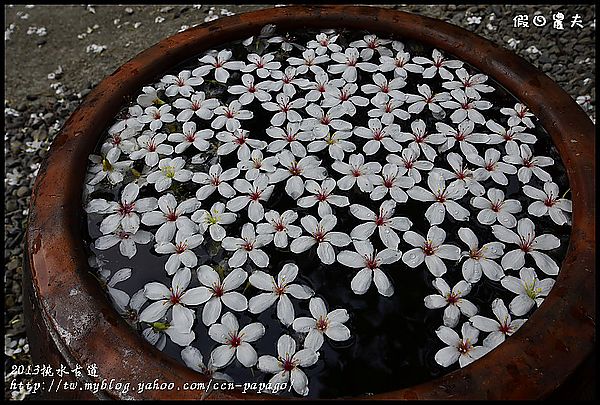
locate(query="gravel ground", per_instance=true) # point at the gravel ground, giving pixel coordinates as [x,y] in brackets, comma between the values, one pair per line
[56,54]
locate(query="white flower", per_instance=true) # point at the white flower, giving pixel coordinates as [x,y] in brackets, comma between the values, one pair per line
[180,252]
[262,64]
[230,116]
[369,262]
[399,64]
[310,60]
[391,180]
[461,174]
[548,203]
[426,98]
[408,163]
[383,221]
[181,84]
[357,171]
[148,97]
[194,360]
[247,246]
[444,198]
[107,167]
[440,65]
[510,136]
[321,235]
[119,140]
[157,116]
[286,42]
[528,243]
[286,366]
[151,146]
[453,301]
[490,166]
[120,298]
[504,326]
[324,43]
[179,334]
[495,207]
[322,194]
[287,81]
[387,108]
[465,108]
[214,220]
[197,105]
[320,121]
[432,250]
[126,241]
[285,109]
[348,64]
[345,97]
[322,323]
[335,142]
[131,118]
[461,349]
[308,167]
[419,137]
[378,135]
[215,180]
[250,90]
[171,217]
[372,43]
[124,213]
[234,342]
[320,86]
[278,291]
[169,170]
[191,136]
[383,86]
[280,226]
[291,137]
[480,259]
[472,84]
[216,293]
[517,115]
[239,140]
[530,164]
[177,297]
[463,135]
[529,289]
[257,164]
[255,192]
[220,64]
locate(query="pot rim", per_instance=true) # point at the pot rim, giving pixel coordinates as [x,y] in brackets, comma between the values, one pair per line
[533,362]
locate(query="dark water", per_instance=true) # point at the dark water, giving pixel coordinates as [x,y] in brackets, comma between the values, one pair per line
[393,339]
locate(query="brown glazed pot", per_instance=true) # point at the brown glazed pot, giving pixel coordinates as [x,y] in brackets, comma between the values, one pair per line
[71,322]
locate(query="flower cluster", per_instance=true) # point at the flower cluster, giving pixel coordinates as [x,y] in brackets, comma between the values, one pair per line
[277,150]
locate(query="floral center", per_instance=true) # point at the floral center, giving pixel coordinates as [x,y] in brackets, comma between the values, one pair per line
[235,341]
[169,171]
[388,182]
[490,167]
[257,163]
[351,62]
[428,248]
[181,247]
[279,290]
[190,137]
[356,172]
[215,181]
[321,196]
[196,105]
[508,136]
[532,291]
[322,324]
[464,346]
[380,220]
[218,290]
[461,175]
[175,296]
[255,195]
[151,146]
[325,120]
[116,139]
[452,298]
[497,206]
[408,164]
[549,202]
[525,243]
[459,136]
[229,114]
[371,263]
[440,198]
[288,364]
[475,254]
[126,208]
[240,140]
[400,62]
[295,169]
[279,226]
[527,163]
[171,216]
[290,138]
[180,82]
[505,328]
[123,235]
[378,134]
[248,246]
[388,108]
[344,95]
[156,115]
[319,235]
[106,166]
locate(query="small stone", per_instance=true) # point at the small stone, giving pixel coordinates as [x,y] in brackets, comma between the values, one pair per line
[32,97]
[40,134]
[166,9]
[22,191]
[129,10]
[11,205]
[48,117]
[41,42]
